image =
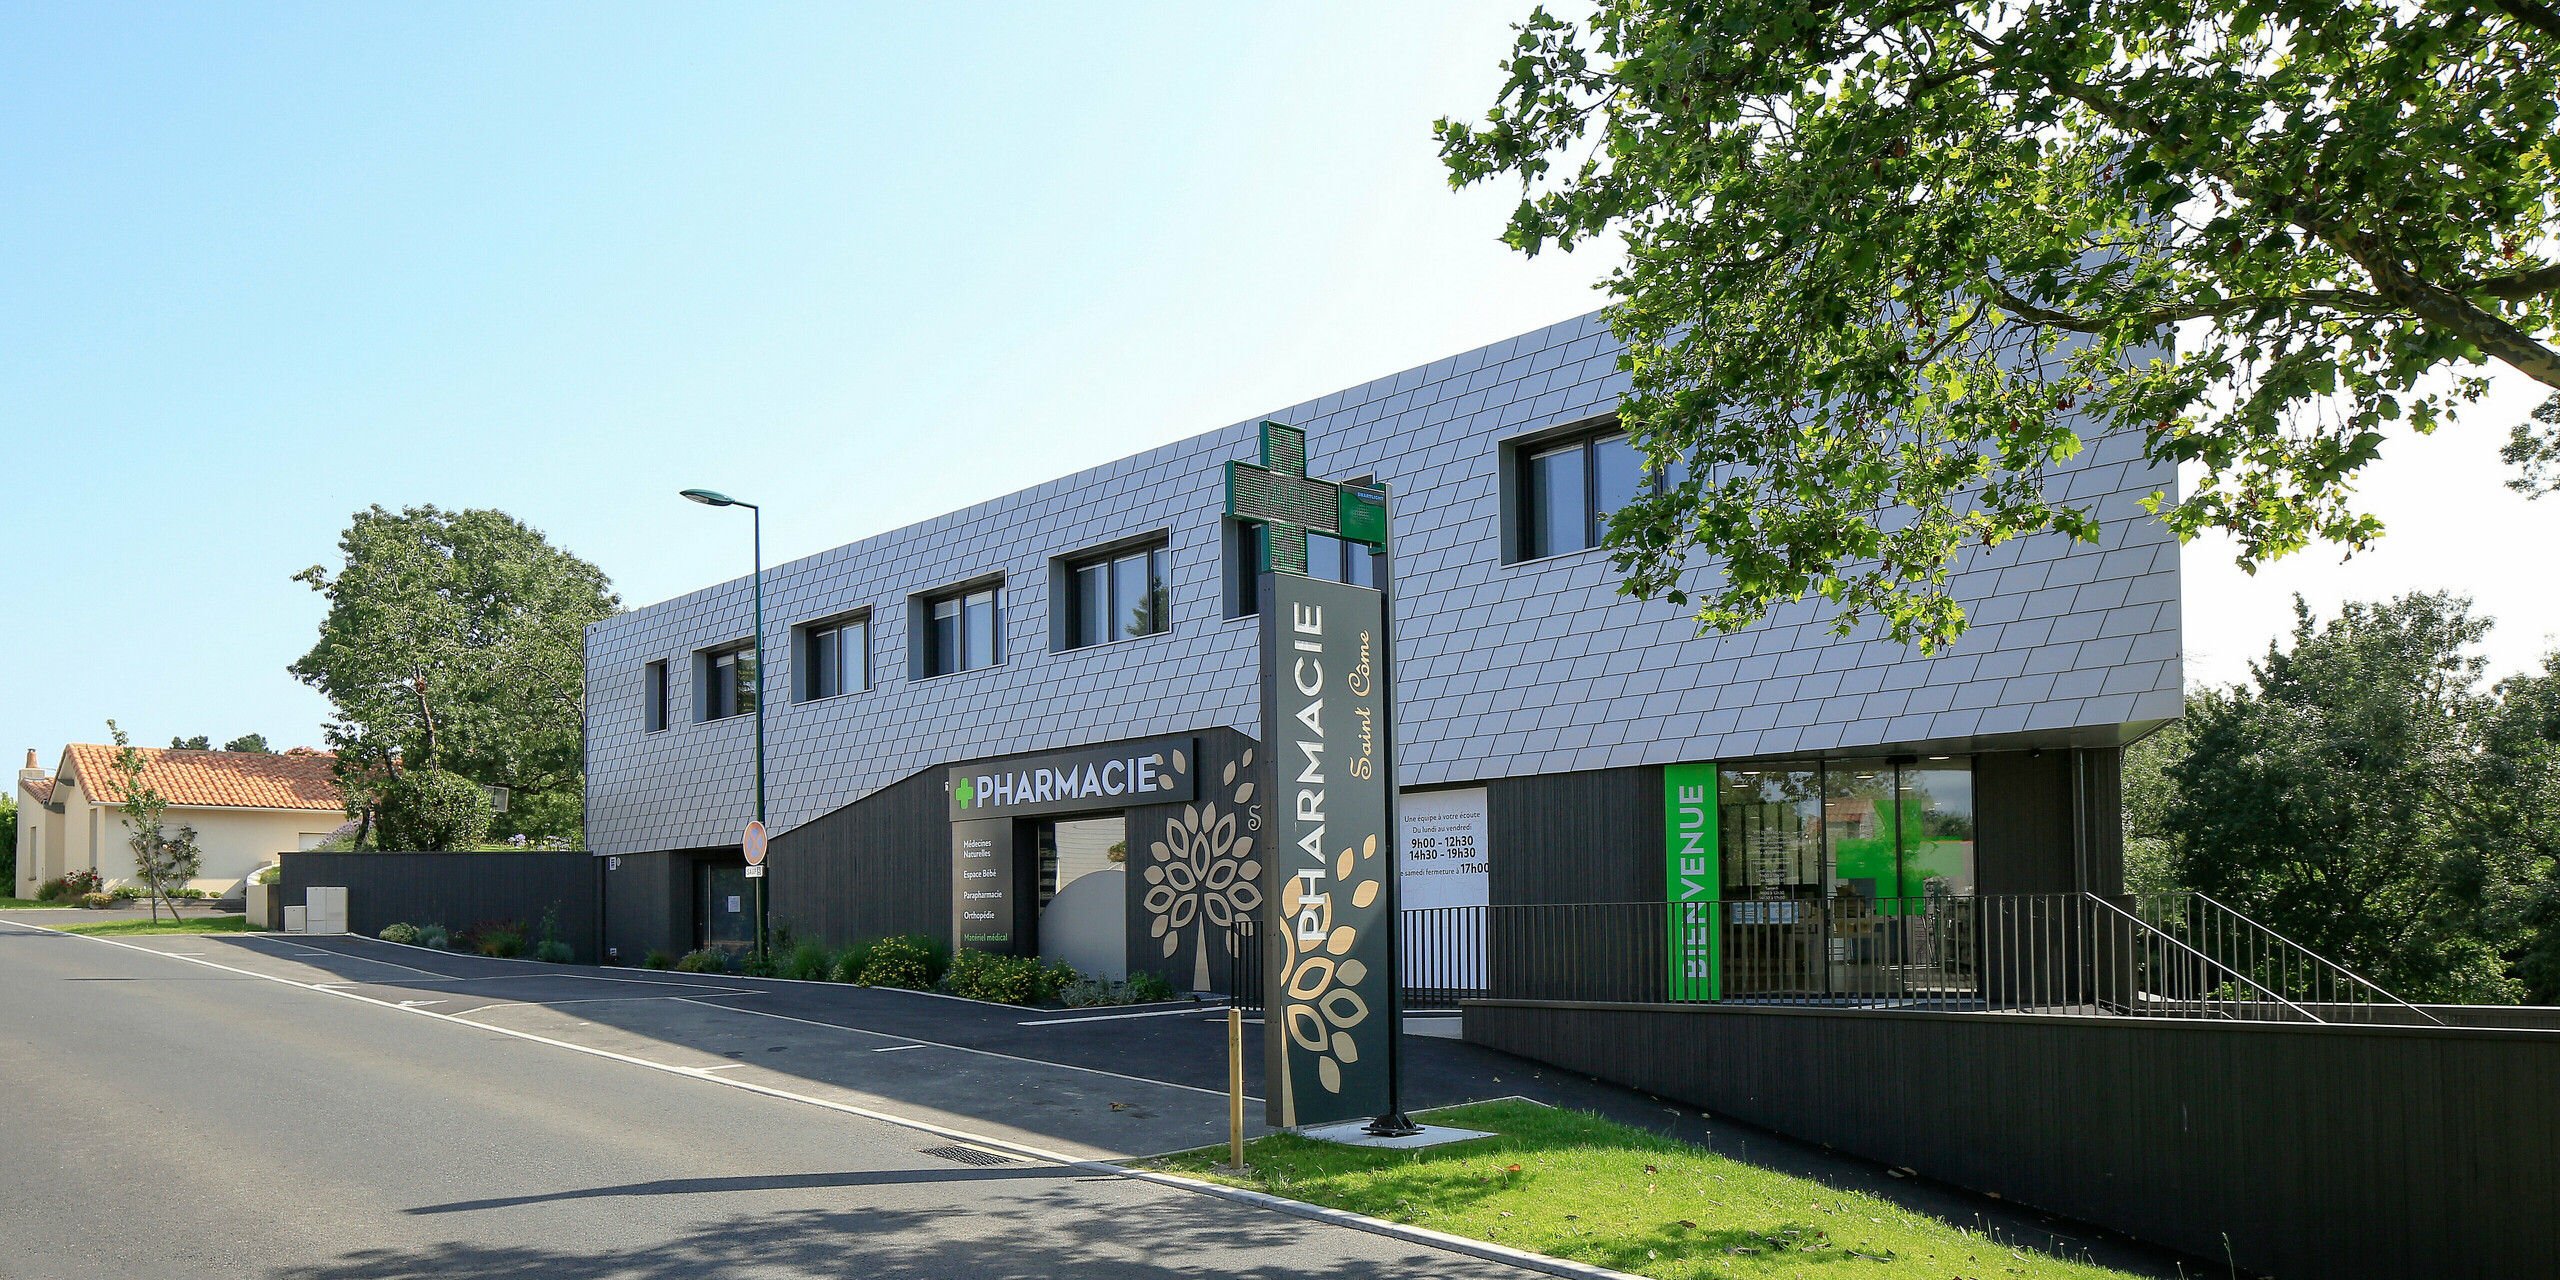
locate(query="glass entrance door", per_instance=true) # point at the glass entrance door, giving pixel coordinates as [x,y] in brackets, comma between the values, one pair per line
[724,908]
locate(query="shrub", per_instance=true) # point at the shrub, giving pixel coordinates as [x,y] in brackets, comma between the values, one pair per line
[435,935]
[97,901]
[900,962]
[272,874]
[52,890]
[82,882]
[706,960]
[502,941]
[190,893]
[433,810]
[554,951]
[125,892]
[402,932]
[850,965]
[984,975]
[809,962]
[657,960]
[1149,986]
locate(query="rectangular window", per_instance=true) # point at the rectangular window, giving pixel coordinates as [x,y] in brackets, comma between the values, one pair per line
[729,684]
[1559,514]
[1250,535]
[1336,560]
[1569,491]
[1118,597]
[653,696]
[835,657]
[967,632]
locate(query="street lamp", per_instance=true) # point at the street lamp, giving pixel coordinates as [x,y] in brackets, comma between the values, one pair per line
[709,498]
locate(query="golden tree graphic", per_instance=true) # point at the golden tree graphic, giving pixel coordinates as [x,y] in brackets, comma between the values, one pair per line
[1322,1006]
[1203,874]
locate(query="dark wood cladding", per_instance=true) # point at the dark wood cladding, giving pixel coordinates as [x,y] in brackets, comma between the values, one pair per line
[882,864]
[2318,1150]
[458,890]
[648,903]
[875,868]
[2024,818]
[1576,837]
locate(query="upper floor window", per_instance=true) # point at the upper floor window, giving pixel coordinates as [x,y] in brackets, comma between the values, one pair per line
[1118,596]
[653,696]
[835,657]
[964,632]
[1335,560]
[1328,557]
[1569,489]
[728,684]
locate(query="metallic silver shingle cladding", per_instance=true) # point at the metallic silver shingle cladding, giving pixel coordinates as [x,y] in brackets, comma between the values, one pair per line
[1505,670]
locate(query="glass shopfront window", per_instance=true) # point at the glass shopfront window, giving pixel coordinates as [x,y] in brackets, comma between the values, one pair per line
[1837,875]
[1864,828]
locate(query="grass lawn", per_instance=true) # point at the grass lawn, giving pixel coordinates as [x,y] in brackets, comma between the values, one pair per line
[193,924]
[1572,1185]
[29,904]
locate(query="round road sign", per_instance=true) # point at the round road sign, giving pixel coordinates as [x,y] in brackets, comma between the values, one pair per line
[755,844]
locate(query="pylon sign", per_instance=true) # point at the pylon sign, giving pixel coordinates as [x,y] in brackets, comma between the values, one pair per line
[1330,1016]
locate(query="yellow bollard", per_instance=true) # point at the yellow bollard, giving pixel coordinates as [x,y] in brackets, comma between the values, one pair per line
[1235,1088]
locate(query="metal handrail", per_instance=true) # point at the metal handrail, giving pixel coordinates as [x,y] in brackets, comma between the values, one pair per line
[2164,936]
[2343,971]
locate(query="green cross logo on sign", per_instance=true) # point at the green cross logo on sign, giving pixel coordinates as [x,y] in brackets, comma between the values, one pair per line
[1291,506]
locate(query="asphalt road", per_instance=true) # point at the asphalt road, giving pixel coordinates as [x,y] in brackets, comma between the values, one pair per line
[170,1118]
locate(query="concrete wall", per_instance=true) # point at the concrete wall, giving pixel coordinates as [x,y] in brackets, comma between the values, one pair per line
[1506,670]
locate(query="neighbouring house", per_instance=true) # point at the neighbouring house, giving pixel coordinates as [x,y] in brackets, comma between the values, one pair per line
[246,807]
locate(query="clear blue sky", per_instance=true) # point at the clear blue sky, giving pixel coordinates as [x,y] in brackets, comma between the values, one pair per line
[262,267]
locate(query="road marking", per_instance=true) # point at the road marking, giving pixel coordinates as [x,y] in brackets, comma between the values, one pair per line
[1338,1217]
[962,1048]
[897,1047]
[418,1004]
[1106,1017]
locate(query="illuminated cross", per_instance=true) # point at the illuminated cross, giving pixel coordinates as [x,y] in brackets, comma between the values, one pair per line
[1290,506]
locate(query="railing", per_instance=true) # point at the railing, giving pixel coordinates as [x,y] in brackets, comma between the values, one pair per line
[2164,955]
[2234,944]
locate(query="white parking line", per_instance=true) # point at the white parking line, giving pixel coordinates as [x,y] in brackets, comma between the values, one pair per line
[962,1048]
[1107,1017]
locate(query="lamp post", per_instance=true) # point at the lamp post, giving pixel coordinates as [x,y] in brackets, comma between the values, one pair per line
[710,499]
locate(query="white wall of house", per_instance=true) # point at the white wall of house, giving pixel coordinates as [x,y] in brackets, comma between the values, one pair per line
[92,836]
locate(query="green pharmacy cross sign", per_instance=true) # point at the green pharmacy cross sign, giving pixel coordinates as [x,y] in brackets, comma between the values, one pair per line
[1291,506]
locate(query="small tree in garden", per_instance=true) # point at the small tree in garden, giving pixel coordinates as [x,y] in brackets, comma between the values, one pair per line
[164,862]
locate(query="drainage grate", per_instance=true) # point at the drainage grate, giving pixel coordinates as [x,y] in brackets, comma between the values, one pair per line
[967,1155]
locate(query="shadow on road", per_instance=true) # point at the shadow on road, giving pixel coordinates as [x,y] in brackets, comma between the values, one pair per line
[768,1183]
[892,1243]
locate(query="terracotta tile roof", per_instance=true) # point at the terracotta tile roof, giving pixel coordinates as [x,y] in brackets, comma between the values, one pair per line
[214,779]
[40,788]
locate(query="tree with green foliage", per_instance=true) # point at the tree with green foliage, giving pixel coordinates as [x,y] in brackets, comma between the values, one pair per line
[163,862]
[197,743]
[2355,796]
[9,845]
[455,644]
[1891,262]
[252,743]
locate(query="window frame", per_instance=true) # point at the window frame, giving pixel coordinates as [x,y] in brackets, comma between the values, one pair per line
[808,670]
[655,697]
[1520,495]
[926,628]
[1071,591]
[719,699]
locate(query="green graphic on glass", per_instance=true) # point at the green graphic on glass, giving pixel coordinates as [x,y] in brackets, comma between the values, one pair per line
[1692,879]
